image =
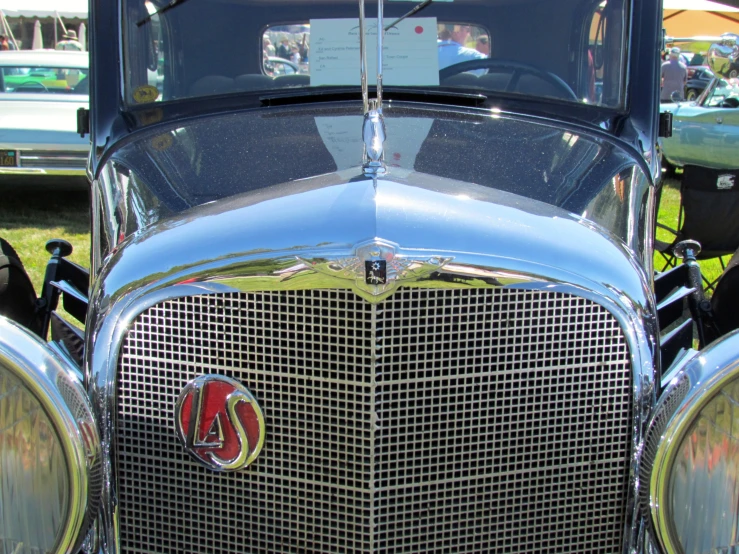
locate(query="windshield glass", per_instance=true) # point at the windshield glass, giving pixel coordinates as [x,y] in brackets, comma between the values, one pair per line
[561,50]
[724,94]
[44,80]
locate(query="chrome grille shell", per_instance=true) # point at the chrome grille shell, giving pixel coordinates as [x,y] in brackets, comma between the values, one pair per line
[481,420]
[249,245]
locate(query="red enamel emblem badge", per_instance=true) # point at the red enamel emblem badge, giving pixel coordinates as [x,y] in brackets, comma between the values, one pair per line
[220,423]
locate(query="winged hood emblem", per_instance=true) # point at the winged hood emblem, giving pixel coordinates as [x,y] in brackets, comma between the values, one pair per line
[376,268]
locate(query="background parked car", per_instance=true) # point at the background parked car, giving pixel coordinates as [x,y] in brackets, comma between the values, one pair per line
[697,82]
[40,93]
[706,132]
[274,66]
[695,62]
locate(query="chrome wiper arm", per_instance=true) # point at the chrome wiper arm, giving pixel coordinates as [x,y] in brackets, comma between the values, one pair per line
[415,10]
[363,59]
[161,10]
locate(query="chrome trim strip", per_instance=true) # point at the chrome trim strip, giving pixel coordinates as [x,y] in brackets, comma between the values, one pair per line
[37,171]
[53,381]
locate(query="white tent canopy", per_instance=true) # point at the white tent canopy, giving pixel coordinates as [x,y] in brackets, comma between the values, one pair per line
[686,18]
[44,8]
[702,5]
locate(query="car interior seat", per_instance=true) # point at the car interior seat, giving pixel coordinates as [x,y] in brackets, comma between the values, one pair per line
[212,84]
[250,82]
[462,80]
[83,87]
[292,80]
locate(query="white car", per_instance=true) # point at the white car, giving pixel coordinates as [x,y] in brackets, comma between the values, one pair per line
[40,93]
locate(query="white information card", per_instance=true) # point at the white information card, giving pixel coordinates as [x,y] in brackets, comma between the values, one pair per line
[410,52]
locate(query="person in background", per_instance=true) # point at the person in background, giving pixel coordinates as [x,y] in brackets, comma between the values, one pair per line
[269,49]
[483,45]
[451,47]
[674,76]
[294,54]
[283,50]
[4,43]
[69,42]
[304,49]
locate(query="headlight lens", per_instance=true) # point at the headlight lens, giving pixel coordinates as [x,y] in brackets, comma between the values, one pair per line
[690,459]
[704,482]
[50,457]
[35,478]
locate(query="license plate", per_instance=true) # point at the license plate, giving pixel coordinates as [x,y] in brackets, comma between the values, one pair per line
[8,158]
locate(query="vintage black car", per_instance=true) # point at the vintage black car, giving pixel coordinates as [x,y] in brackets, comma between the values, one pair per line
[697,83]
[355,310]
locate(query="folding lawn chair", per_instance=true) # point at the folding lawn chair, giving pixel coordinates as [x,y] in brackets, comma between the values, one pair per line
[708,214]
[725,297]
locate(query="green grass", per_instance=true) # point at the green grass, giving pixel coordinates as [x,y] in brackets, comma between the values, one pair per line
[29,218]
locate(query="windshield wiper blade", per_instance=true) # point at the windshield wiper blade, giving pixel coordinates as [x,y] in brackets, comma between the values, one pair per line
[435,96]
[415,10]
[287,98]
[161,10]
[391,93]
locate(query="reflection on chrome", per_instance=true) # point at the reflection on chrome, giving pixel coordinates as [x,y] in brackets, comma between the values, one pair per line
[704,487]
[34,474]
[692,455]
[51,474]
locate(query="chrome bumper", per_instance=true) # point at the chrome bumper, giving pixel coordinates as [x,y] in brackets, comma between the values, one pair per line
[47,162]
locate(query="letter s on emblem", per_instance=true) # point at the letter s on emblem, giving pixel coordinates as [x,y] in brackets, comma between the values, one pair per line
[220,423]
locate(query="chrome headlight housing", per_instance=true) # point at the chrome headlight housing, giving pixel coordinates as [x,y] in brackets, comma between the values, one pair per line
[691,456]
[50,460]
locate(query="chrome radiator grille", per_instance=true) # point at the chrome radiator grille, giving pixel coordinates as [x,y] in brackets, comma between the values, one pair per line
[454,420]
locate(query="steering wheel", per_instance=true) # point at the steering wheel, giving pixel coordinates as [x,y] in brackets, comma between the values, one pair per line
[516,69]
[34,84]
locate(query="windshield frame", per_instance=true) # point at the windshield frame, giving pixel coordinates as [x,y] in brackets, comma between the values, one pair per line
[168,90]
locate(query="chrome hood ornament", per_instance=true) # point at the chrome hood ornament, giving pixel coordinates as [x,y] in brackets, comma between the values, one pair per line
[373,125]
[373,133]
[376,268]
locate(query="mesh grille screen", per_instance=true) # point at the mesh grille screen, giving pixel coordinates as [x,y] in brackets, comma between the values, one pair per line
[436,421]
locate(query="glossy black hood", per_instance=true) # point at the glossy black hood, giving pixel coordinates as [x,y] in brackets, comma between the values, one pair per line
[167,169]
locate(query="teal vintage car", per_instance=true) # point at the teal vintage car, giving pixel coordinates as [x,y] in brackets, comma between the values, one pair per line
[705,132]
